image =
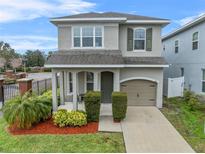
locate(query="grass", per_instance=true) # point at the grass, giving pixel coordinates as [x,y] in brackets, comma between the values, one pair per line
[190,124]
[95,143]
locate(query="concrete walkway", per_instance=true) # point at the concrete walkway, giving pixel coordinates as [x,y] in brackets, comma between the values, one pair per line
[106,124]
[147,130]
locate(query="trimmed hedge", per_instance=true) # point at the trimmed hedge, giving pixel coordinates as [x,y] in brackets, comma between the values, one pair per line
[119,105]
[92,105]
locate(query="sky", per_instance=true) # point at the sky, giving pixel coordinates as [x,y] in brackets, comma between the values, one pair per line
[25,23]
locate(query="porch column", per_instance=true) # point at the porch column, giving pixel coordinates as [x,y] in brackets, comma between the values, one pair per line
[116,80]
[62,96]
[74,77]
[96,87]
[54,91]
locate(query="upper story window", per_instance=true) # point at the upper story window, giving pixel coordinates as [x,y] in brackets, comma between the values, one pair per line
[87,37]
[139,39]
[176,46]
[195,40]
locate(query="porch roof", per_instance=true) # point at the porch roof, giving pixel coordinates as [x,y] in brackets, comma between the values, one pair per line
[100,57]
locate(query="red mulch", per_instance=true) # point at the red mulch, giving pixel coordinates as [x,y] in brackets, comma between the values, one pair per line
[47,127]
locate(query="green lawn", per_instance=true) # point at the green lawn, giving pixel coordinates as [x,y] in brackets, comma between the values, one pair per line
[100,142]
[190,124]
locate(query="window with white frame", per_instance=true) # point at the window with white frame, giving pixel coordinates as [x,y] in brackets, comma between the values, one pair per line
[87,37]
[195,40]
[139,39]
[176,46]
[89,81]
[70,82]
[203,80]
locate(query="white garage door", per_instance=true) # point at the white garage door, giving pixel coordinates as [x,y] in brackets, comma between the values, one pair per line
[140,92]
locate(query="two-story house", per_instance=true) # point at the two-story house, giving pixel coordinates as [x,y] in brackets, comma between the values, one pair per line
[108,52]
[184,50]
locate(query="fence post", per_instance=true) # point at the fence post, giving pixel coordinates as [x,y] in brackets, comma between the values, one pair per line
[2,90]
[25,85]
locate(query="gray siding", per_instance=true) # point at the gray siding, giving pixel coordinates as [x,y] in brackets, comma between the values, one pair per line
[64,38]
[115,38]
[193,61]
[111,33]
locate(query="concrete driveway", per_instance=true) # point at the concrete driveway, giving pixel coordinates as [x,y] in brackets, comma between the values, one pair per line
[145,129]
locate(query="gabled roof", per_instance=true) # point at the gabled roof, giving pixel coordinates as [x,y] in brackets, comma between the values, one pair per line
[98,58]
[109,16]
[185,27]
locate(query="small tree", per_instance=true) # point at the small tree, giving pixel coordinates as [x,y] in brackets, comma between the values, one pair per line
[15,63]
[2,63]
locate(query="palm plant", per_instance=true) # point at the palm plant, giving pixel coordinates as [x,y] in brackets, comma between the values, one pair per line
[22,112]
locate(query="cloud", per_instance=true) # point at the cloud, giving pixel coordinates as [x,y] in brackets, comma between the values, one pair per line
[14,10]
[31,42]
[186,20]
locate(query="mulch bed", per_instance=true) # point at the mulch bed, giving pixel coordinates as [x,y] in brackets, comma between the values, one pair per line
[47,127]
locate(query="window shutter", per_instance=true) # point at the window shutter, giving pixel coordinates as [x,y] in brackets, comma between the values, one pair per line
[149,39]
[129,39]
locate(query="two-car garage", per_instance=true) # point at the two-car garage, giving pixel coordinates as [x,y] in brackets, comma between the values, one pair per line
[140,92]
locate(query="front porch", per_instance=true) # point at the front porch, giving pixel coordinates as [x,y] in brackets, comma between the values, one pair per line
[105,108]
[74,83]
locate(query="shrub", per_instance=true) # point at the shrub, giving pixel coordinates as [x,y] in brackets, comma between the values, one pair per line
[192,101]
[119,105]
[47,97]
[92,105]
[22,112]
[188,95]
[64,118]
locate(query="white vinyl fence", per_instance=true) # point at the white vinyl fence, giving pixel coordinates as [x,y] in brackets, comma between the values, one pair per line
[174,87]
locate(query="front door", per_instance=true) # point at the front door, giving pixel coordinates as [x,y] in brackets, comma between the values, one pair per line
[106,87]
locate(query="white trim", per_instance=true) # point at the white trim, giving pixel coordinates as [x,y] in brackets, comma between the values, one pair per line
[81,37]
[139,50]
[112,19]
[183,28]
[87,19]
[101,66]
[139,78]
[149,21]
[195,40]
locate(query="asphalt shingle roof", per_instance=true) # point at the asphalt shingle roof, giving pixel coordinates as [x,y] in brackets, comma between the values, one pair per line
[110,15]
[99,57]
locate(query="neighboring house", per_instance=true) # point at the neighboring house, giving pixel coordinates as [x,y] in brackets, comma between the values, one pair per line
[109,52]
[184,50]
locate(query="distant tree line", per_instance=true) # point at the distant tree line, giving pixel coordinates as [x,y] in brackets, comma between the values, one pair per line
[9,58]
